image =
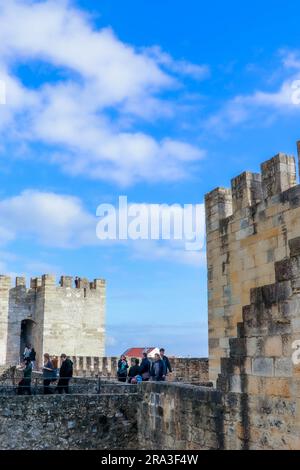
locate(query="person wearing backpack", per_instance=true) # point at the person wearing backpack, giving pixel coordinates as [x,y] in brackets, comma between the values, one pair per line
[65,374]
[134,371]
[145,368]
[122,369]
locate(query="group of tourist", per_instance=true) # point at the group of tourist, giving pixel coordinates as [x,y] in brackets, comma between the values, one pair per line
[51,373]
[156,369]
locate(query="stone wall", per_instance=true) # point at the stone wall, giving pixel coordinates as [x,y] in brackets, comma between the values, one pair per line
[188,370]
[68,422]
[248,229]
[179,416]
[185,417]
[55,319]
[256,403]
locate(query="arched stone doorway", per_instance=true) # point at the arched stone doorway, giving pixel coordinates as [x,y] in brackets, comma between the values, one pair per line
[26,337]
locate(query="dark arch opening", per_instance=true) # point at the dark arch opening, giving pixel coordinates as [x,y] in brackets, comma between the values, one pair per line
[26,336]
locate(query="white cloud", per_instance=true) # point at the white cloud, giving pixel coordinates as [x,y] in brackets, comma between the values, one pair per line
[290,59]
[92,147]
[171,252]
[181,67]
[62,35]
[48,218]
[62,221]
[101,74]
[258,104]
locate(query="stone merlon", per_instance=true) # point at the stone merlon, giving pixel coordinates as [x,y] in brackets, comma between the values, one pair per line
[248,189]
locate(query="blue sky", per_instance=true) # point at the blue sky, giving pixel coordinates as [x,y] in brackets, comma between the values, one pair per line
[161,101]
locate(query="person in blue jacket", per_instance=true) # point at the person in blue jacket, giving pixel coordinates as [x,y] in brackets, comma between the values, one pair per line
[122,369]
[157,369]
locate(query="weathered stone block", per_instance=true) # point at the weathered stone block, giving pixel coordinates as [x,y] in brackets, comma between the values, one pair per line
[283,270]
[237,346]
[287,269]
[235,384]
[283,367]
[273,346]
[279,327]
[294,246]
[240,330]
[251,346]
[263,366]
[277,387]
[256,295]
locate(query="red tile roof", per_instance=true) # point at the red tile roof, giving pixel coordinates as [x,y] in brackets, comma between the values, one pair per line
[137,352]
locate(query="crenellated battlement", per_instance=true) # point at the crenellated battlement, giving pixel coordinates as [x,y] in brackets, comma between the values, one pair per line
[248,189]
[48,280]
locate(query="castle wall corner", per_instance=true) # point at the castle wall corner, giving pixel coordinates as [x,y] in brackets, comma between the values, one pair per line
[248,229]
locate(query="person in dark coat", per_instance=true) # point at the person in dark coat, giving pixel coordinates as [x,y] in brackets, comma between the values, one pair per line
[24,386]
[134,370]
[165,359]
[47,374]
[145,368]
[65,374]
[157,369]
[122,369]
[32,357]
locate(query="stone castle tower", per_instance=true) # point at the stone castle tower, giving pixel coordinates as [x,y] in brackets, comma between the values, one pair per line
[54,319]
[249,228]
